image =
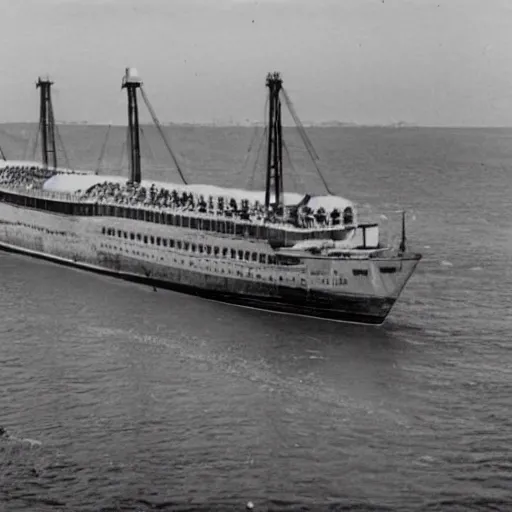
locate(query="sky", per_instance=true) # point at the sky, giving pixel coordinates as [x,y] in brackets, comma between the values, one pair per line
[424,62]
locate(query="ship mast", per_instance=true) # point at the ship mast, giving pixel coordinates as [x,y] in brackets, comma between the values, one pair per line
[47,123]
[132,82]
[275,143]
[403,239]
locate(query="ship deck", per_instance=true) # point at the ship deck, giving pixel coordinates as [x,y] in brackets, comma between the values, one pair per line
[72,204]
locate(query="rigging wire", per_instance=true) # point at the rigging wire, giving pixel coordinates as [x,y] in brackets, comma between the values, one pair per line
[146,141]
[305,139]
[294,174]
[251,179]
[251,143]
[258,153]
[66,159]
[157,123]
[2,154]
[36,142]
[27,145]
[123,149]
[300,126]
[248,154]
[121,158]
[103,149]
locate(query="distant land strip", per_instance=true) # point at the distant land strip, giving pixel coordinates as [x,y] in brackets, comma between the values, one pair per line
[324,124]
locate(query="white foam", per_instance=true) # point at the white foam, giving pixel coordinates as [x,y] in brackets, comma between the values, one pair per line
[25,440]
[32,442]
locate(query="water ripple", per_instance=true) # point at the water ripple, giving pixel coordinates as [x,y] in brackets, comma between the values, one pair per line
[158,401]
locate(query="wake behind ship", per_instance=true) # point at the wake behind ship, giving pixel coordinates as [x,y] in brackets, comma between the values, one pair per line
[271,250]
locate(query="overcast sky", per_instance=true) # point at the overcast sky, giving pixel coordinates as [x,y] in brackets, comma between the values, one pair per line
[427,62]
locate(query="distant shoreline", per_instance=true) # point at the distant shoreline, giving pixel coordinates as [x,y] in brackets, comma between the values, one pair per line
[254,125]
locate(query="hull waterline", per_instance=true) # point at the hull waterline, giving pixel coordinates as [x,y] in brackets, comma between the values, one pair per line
[355,309]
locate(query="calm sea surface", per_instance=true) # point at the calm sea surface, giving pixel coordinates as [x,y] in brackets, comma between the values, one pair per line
[146,400]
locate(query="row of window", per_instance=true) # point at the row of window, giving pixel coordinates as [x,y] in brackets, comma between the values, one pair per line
[208,250]
[238,272]
[257,231]
[36,228]
[223,252]
[336,281]
[204,249]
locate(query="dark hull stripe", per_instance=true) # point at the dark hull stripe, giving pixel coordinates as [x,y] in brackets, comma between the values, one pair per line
[346,309]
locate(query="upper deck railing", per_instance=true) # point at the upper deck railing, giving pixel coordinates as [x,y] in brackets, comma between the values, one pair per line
[77,198]
[278,235]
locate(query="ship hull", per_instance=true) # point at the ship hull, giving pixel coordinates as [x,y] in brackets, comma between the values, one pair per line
[346,309]
[77,242]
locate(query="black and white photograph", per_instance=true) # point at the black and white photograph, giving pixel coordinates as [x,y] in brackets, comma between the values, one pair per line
[255,255]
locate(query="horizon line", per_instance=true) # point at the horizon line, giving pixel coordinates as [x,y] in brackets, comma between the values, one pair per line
[308,124]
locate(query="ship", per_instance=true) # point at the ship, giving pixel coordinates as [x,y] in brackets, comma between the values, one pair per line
[272,250]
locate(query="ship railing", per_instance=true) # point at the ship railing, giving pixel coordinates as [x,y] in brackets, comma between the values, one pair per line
[219,217]
[41,194]
[79,199]
[21,165]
